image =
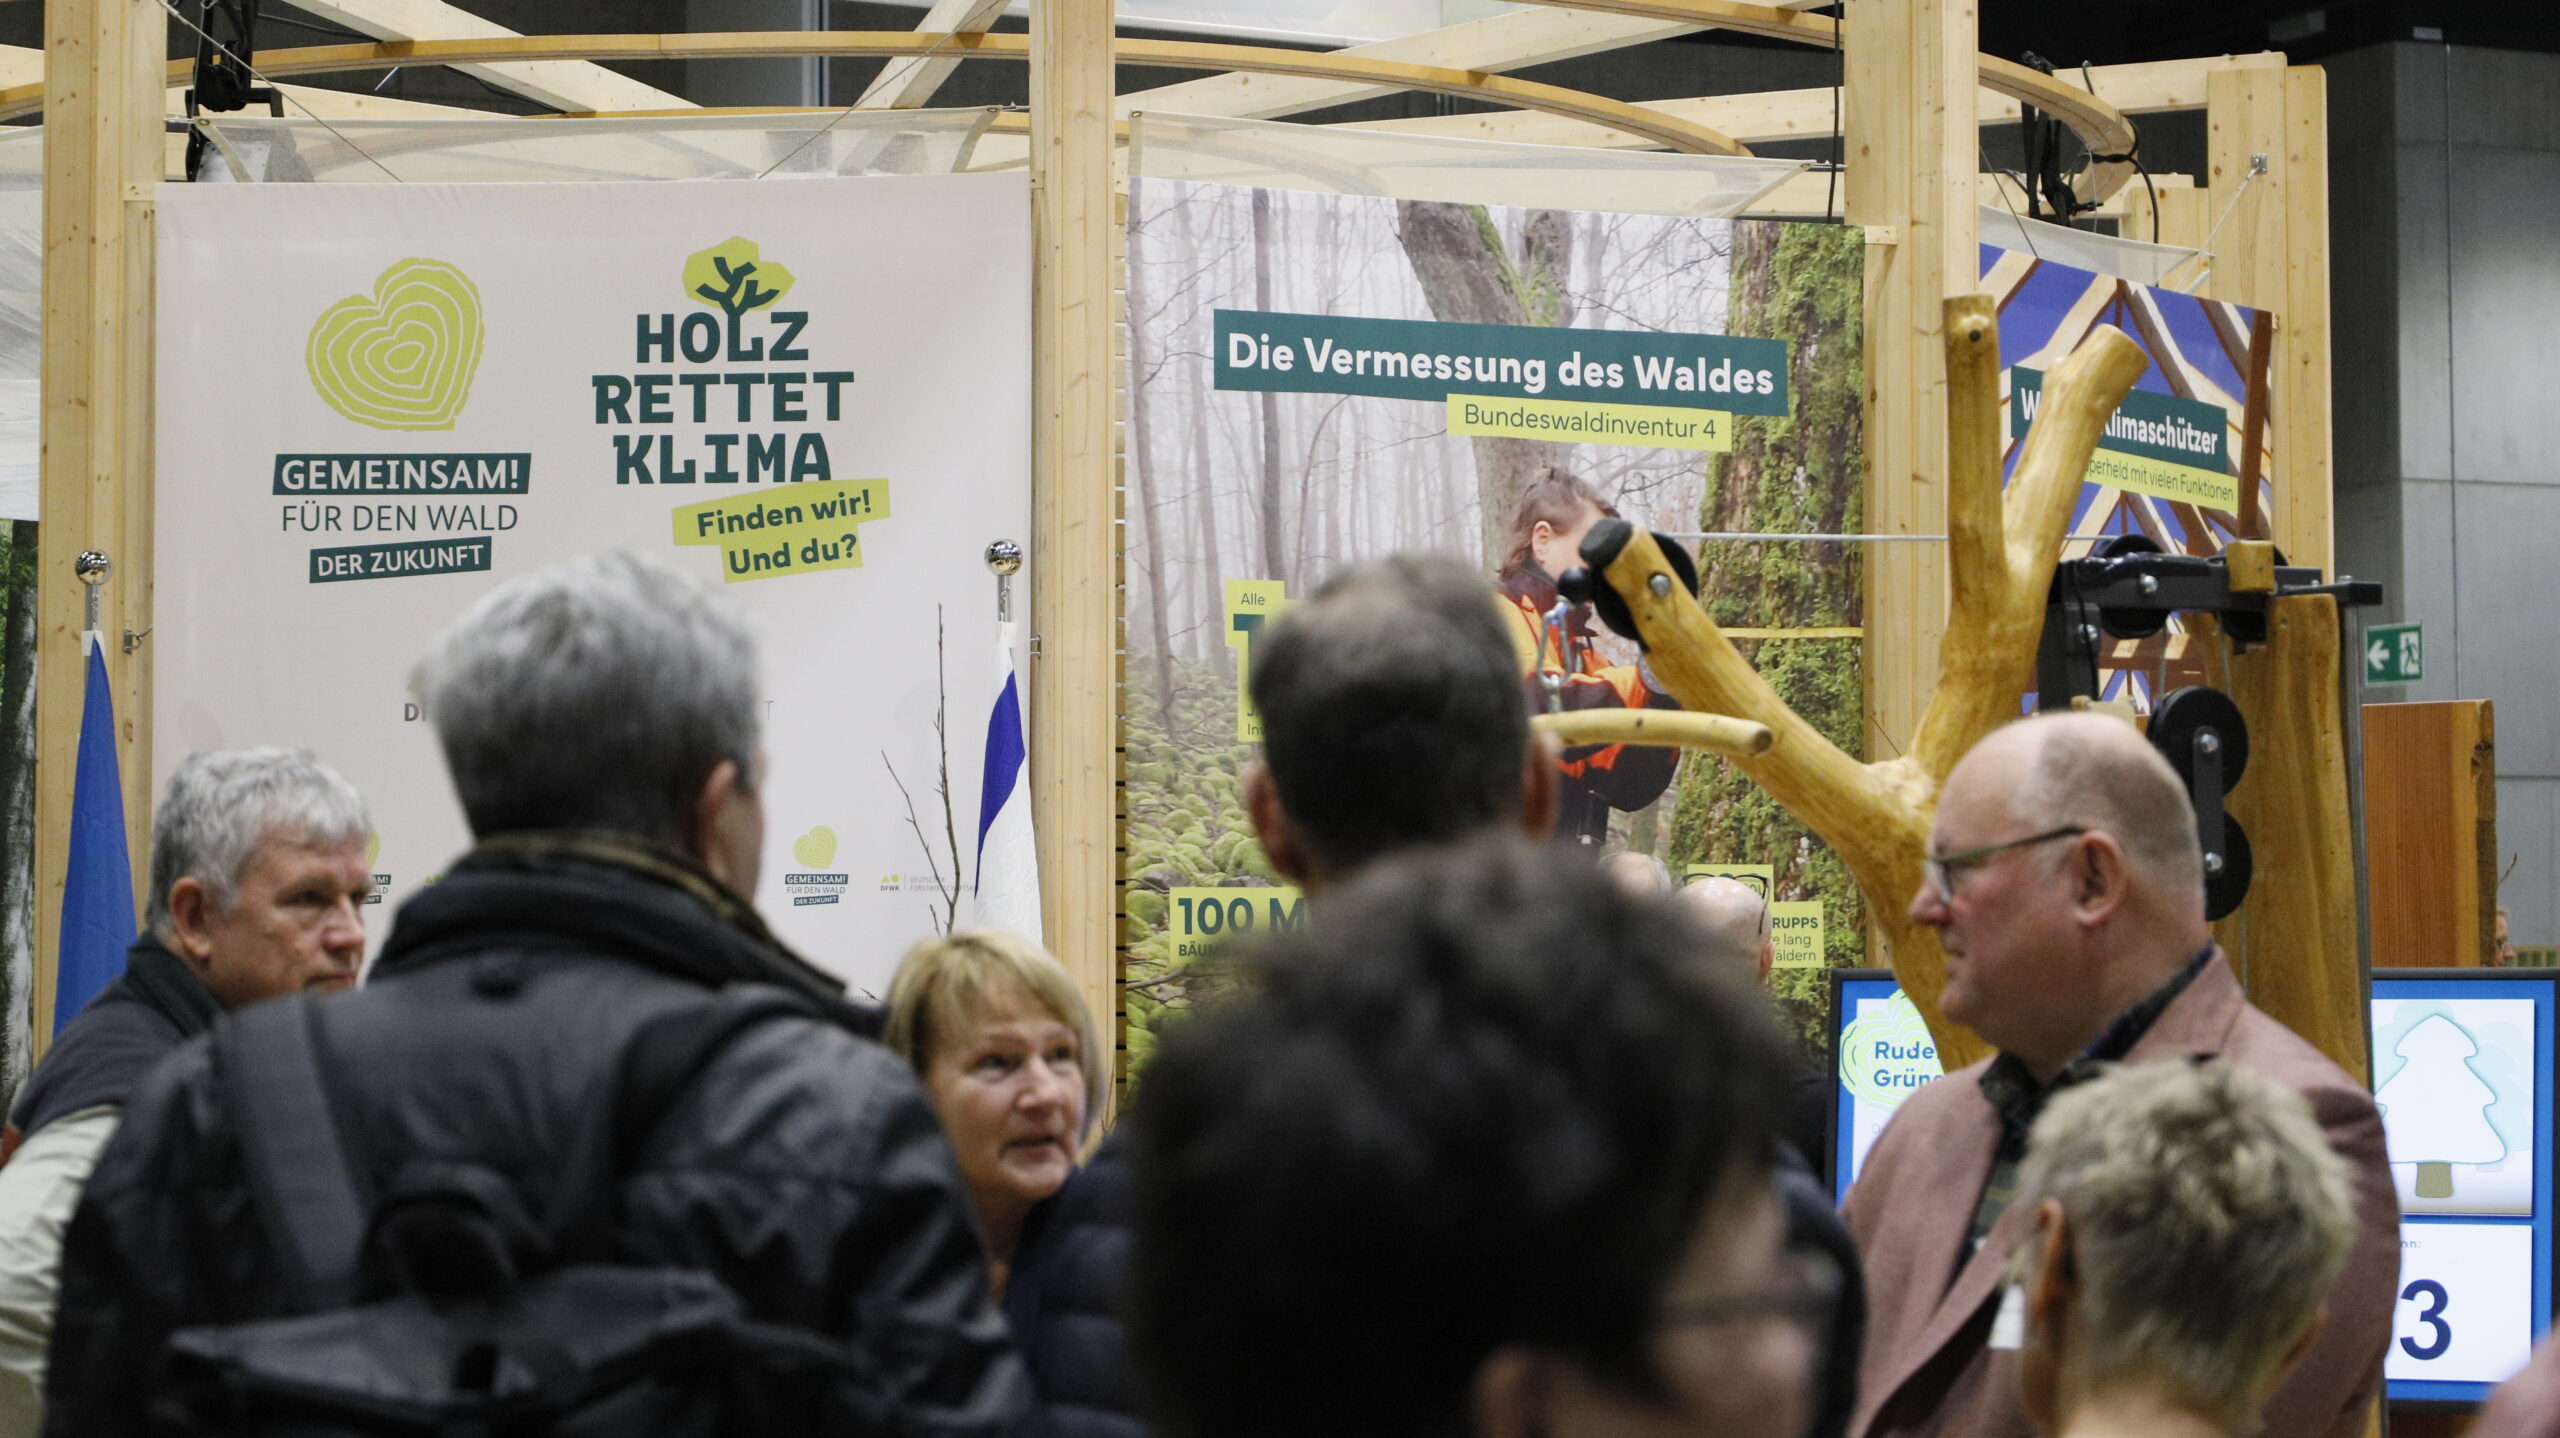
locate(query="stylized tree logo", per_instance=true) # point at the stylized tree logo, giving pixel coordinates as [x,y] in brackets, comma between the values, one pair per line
[2435,1110]
[732,277]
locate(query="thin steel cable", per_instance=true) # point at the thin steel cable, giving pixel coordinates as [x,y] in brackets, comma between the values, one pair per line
[2206,249]
[846,113]
[242,61]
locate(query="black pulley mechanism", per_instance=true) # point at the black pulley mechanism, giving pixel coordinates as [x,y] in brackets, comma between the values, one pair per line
[1600,549]
[2227,871]
[2203,736]
[2125,623]
[2195,723]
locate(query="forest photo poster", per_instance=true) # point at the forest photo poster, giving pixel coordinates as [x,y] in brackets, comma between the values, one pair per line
[1318,379]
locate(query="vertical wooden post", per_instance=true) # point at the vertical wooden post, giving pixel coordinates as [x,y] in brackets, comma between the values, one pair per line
[1075,552]
[103,87]
[2272,252]
[1909,114]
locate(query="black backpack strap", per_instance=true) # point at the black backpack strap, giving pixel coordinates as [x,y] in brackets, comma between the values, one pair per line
[658,1063]
[275,1092]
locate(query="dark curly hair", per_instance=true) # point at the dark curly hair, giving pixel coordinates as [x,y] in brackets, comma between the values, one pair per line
[1486,1099]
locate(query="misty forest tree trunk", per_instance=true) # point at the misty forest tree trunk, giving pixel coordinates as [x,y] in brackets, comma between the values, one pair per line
[17,803]
[1804,472]
[1200,493]
[1143,479]
[1470,277]
[1274,553]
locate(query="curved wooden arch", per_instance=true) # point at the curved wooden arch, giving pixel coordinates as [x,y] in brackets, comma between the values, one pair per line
[2100,126]
[1650,125]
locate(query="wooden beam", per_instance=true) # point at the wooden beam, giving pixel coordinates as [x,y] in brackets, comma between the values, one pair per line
[1499,43]
[304,100]
[1912,158]
[329,59]
[562,85]
[1803,196]
[910,84]
[24,65]
[103,65]
[2150,88]
[1075,551]
[21,65]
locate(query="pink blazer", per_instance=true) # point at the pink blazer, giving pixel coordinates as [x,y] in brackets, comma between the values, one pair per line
[1927,1367]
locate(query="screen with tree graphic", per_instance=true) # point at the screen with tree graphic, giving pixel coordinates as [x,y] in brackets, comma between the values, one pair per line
[2462,1063]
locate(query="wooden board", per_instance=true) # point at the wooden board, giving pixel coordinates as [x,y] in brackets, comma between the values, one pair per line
[2431,832]
[2293,942]
[2270,244]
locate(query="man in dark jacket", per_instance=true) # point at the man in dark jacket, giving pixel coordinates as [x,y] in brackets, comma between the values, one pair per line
[1392,719]
[600,723]
[258,889]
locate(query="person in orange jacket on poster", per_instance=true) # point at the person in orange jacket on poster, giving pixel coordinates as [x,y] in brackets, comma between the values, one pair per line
[1564,669]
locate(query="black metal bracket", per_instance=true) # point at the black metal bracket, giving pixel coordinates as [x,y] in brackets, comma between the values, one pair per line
[226,37]
[2129,589]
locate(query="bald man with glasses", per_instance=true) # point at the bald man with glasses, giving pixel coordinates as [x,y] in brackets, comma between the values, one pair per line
[2066,884]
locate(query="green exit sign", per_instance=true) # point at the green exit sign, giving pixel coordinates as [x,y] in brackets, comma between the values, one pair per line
[2394,654]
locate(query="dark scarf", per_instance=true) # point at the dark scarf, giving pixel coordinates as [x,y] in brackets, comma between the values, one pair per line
[2019,1099]
[154,1006]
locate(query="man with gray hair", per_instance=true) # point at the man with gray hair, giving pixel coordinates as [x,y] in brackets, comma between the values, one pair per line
[258,888]
[602,727]
[2188,1219]
[2066,883]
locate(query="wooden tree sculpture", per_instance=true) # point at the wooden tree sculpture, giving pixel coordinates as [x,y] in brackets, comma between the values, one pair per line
[2001,555]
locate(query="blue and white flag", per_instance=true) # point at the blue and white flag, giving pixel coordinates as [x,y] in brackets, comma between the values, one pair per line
[97,887]
[1006,893]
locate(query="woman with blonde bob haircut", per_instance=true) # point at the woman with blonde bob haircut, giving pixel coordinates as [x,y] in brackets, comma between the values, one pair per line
[2190,1218]
[1008,1055]
[1006,1049]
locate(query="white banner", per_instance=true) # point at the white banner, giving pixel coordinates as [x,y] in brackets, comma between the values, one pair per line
[378,402]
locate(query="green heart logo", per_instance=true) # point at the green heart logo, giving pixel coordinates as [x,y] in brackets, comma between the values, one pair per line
[815,849]
[404,358]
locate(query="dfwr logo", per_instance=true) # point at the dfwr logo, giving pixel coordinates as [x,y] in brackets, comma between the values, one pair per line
[1886,1054]
[404,357]
[815,850]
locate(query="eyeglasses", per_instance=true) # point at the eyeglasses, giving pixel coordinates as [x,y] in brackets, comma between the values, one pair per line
[1940,871]
[1811,1300]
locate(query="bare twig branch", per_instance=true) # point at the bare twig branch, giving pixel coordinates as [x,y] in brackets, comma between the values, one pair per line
[942,740]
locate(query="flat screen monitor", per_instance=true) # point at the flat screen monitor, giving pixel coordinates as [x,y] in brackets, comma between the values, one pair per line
[2462,1071]
[2464,1064]
[1880,1053]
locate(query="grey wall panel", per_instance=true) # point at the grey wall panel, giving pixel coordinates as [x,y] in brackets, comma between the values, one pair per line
[2425,593]
[2364,269]
[2506,314]
[2504,98]
[2419,75]
[2508,646]
[2425,349]
[2368,538]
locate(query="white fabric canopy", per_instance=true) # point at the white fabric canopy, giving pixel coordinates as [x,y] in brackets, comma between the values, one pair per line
[1273,154]
[2083,249]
